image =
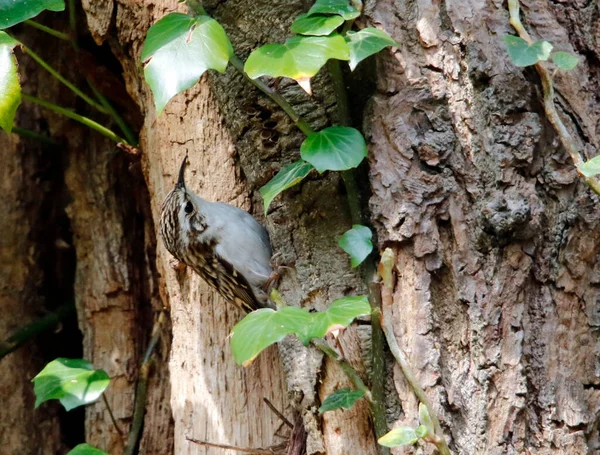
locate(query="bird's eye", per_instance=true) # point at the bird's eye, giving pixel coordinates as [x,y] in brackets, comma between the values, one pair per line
[189,208]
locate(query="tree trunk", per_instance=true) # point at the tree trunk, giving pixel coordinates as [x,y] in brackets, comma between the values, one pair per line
[495,237]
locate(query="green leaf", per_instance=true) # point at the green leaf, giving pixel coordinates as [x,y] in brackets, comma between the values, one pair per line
[591,167]
[300,58]
[178,50]
[86,449]
[336,148]
[421,431]
[10,89]
[318,24]
[14,11]
[564,60]
[342,398]
[399,436]
[287,177]
[264,327]
[425,419]
[338,7]
[522,54]
[339,315]
[357,243]
[367,42]
[74,382]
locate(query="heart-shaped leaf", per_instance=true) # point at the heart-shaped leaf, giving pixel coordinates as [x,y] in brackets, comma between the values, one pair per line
[523,54]
[591,167]
[86,449]
[264,327]
[341,399]
[399,436]
[564,60]
[367,42]
[178,50]
[14,11]
[340,314]
[10,89]
[287,177]
[357,243]
[300,58]
[338,7]
[336,148]
[74,382]
[317,24]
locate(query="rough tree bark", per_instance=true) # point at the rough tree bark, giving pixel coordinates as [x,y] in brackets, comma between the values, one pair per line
[495,237]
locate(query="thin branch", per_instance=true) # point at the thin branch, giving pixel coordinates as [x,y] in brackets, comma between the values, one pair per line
[48,30]
[33,329]
[72,115]
[548,88]
[386,275]
[139,409]
[277,412]
[226,446]
[64,81]
[377,374]
[34,135]
[110,413]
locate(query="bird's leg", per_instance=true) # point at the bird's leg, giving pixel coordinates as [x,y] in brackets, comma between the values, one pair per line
[278,266]
[176,265]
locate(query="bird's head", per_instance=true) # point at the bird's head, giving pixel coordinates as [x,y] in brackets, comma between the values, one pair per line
[181,218]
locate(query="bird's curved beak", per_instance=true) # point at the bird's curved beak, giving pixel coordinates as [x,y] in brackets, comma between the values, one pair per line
[181,180]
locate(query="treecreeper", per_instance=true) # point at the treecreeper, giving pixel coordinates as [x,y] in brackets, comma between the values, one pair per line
[222,243]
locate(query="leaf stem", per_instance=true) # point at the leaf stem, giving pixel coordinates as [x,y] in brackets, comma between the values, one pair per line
[196,7]
[110,413]
[280,100]
[34,328]
[548,88]
[72,115]
[64,81]
[377,376]
[131,137]
[49,30]
[384,315]
[34,135]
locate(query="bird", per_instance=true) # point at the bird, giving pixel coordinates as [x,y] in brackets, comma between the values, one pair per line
[222,243]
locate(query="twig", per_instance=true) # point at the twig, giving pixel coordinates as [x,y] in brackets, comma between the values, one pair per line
[548,88]
[277,413]
[110,413]
[72,115]
[29,331]
[385,272]
[139,409]
[377,374]
[226,446]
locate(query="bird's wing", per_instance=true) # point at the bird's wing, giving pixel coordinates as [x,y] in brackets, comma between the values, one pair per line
[234,286]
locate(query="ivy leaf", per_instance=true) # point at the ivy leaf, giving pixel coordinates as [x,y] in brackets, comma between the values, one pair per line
[10,89]
[342,398]
[340,314]
[591,167]
[399,436]
[367,42]
[421,431]
[337,7]
[13,11]
[425,420]
[86,449]
[287,177]
[74,382]
[178,50]
[564,60]
[522,54]
[336,148]
[357,243]
[299,58]
[262,328]
[317,24]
